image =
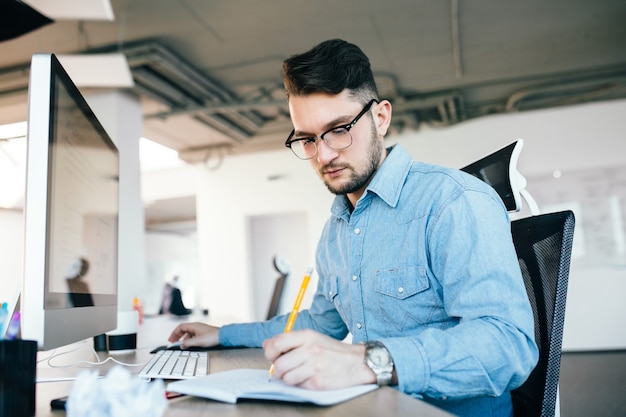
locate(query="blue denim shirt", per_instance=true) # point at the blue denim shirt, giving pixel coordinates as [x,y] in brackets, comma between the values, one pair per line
[424,263]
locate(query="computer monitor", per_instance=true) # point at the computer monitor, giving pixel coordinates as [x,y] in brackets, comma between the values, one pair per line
[70,288]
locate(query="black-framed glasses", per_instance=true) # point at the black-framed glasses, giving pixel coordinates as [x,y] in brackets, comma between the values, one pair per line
[337,138]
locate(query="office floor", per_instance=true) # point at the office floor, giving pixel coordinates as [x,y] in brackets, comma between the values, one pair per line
[593,384]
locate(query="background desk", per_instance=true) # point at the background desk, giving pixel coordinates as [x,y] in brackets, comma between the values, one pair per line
[386,401]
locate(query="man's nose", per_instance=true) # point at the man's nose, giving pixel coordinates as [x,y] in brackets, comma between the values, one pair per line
[325,153]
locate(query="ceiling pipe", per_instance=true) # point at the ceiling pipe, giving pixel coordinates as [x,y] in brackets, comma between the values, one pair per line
[456,39]
[561,94]
[216,108]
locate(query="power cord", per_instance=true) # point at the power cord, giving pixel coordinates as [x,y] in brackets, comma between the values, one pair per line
[98,362]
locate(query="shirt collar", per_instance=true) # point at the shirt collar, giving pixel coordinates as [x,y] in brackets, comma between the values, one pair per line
[387,182]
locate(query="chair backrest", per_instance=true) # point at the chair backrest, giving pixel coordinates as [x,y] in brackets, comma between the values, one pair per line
[544,244]
[499,169]
[281,265]
[277,295]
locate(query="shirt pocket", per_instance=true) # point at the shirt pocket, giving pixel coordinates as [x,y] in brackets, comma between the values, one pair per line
[406,299]
[331,293]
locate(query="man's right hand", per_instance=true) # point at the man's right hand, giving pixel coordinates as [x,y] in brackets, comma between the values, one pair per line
[195,335]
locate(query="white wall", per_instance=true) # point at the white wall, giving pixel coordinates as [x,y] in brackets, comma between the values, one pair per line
[168,255]
[283,234]
[227,198]
[120,114]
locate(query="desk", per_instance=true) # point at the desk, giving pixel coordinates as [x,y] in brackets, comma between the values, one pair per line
[382,402]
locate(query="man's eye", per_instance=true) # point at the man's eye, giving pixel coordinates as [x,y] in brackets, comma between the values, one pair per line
[338,131]
[306,141]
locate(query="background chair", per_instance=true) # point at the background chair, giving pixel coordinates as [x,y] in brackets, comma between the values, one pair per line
[277,295]
[543,243]
[283,268]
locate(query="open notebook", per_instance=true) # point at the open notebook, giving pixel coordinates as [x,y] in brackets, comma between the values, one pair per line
[229,386]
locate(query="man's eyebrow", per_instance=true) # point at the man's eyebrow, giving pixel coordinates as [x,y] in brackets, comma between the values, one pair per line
[338,121]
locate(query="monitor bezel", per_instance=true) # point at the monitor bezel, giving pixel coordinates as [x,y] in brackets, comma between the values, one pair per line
[52,328]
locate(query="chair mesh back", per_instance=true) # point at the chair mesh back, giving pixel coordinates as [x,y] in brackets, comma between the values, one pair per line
[544,245]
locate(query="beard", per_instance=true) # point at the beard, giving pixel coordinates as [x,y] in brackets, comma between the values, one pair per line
[358,179]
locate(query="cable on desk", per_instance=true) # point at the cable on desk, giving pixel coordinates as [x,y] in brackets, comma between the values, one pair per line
[99,361]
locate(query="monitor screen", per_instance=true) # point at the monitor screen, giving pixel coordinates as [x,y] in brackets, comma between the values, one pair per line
[69,290]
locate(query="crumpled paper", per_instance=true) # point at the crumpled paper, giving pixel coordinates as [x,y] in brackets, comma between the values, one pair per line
[118,394]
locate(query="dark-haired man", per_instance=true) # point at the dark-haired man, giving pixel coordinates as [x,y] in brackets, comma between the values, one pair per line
[416,261]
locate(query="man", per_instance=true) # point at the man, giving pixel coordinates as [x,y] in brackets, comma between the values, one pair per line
[172,302]
[80,295]
[416,261]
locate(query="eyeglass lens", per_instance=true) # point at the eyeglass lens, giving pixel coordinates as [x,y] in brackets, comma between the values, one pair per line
[338,139]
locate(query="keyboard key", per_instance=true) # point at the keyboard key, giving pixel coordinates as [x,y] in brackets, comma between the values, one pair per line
[167,364]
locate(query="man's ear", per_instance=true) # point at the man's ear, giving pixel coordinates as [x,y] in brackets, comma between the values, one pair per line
[383,117]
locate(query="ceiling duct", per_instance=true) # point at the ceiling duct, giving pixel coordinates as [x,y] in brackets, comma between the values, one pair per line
[168,79]
[201,118]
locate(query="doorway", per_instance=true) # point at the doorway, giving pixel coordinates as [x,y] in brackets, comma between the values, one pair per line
[284,234]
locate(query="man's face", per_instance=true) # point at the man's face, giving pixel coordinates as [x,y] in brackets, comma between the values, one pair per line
[346,171]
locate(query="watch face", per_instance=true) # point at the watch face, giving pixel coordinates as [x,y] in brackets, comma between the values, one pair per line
[378,356]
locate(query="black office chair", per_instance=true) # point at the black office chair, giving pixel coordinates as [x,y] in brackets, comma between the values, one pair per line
[543,243]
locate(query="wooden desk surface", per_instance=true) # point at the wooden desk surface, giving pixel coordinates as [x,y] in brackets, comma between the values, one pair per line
[386,401]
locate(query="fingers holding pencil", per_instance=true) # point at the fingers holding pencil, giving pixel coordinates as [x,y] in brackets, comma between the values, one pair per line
[311,360]
[281,351]
[294,311]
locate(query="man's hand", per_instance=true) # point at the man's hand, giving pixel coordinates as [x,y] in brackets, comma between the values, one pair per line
[195,335]
[311,360]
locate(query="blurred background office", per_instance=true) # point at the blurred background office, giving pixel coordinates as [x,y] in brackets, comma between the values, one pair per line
[210,192]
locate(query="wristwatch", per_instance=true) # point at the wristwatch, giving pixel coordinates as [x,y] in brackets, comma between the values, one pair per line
[379,360]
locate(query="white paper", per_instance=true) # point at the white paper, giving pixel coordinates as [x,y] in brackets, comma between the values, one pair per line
[119,394]
[229,386]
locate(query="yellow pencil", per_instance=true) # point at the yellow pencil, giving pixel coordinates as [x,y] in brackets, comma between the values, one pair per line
[296,308]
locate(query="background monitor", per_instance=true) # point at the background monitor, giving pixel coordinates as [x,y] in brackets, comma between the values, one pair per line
[70,287]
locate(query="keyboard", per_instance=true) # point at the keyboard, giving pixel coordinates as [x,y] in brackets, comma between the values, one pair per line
[176,364]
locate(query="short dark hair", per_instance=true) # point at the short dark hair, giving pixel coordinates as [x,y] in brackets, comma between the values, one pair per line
[330,67]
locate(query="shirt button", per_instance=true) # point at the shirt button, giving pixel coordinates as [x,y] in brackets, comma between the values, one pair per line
[400,290]
[359,325]
[357,231]
[354,277]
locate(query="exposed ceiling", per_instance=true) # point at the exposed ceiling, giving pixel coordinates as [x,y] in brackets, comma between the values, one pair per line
[208,73]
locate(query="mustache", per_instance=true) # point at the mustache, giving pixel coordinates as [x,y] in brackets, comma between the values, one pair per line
[333,167]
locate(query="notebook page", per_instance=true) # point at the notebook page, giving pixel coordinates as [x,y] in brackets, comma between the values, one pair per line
[253,384]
